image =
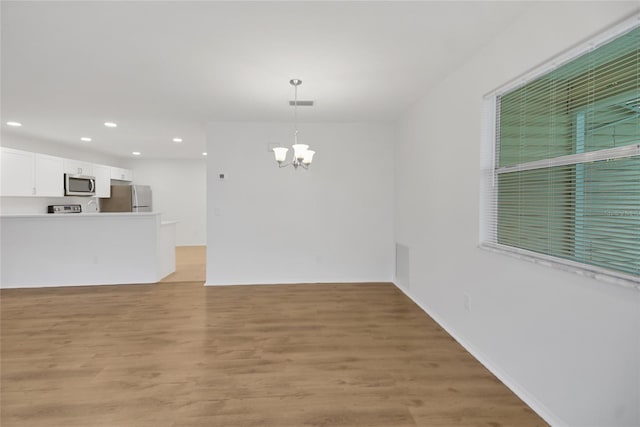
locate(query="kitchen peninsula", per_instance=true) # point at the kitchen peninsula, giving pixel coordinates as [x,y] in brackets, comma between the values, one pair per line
[41,250]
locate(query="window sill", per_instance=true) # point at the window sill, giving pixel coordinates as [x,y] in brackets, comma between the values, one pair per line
[585,270]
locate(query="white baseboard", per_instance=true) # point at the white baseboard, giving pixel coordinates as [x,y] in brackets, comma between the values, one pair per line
[516,388]
[301,283]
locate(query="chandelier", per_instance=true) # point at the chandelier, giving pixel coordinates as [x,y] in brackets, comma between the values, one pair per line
[302,156]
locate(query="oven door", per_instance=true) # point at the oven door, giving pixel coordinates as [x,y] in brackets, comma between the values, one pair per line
[79,185]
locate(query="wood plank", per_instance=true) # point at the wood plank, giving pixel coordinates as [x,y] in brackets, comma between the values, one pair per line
[180,354]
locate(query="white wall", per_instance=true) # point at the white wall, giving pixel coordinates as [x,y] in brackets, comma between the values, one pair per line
[180,193]
[569,345]
[331,223]
[81,250]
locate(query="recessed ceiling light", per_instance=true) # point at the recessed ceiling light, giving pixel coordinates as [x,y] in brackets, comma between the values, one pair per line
[136,153]
[204,153]
[15,124]
[177,139]
[85,139]
[110,124]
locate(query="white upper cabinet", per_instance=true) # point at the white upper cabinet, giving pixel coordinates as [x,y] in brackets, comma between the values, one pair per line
[31,174]
[121,174]
[76,167]
[23,174]
[49,176]
[17,173]
[103,180]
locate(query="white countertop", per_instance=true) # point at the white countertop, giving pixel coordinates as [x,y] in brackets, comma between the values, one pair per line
[82,215]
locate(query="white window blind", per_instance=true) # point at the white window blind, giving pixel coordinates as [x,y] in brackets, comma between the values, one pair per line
[562,182]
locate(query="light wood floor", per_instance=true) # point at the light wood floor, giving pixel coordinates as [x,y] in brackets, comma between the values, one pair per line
[190,265]
[181,354]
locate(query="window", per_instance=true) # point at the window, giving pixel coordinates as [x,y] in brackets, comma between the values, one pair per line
[562,180]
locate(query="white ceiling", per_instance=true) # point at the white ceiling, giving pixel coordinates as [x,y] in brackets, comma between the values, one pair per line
[164,69]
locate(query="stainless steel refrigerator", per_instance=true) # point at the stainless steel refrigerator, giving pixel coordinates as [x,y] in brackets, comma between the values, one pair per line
[128,198]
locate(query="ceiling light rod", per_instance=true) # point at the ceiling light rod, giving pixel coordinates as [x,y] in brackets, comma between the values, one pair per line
[302,156]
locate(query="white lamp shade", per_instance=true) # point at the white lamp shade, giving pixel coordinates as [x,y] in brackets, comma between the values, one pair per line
[308,157]
[280,153]
[299,150]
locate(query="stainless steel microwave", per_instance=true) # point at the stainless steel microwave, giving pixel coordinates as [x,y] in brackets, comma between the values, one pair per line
[79,185]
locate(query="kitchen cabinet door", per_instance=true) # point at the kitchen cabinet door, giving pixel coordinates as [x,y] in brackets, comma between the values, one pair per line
[128,174]
[17,173]
[122,174]
[103,180]
[76,167]
[49,176]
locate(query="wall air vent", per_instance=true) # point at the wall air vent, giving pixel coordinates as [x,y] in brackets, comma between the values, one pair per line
[301,103]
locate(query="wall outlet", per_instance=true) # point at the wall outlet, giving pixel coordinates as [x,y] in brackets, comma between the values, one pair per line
[467,302]
[222,176]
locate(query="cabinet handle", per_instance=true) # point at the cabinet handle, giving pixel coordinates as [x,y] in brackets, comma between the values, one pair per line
[33,191]
[80,171]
